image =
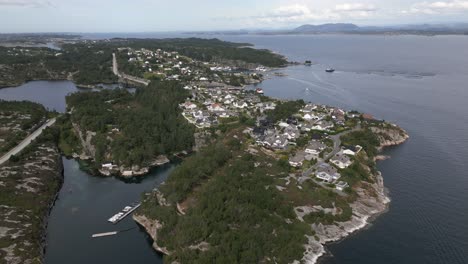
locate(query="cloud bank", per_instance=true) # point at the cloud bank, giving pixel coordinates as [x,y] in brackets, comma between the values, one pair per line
[26,3]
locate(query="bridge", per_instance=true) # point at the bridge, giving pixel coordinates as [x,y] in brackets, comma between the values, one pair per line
[115,69]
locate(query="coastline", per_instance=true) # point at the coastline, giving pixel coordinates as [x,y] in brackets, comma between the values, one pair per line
[316,250]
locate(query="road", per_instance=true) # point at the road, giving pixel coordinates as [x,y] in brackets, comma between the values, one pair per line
[115,69]
[26,141]
[336,148]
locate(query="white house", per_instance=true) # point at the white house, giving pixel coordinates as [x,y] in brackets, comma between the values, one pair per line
[341,185]
[341,160]
[240,105]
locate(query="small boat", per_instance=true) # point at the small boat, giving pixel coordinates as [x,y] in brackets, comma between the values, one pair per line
[259,91]
[330,70]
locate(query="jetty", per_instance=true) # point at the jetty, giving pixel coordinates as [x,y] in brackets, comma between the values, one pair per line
[124,213]
[105,234]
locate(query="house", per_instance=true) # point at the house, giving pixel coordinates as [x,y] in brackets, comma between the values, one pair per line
[307,127]
[107,166]
[297,160]
[349,152]
[308,117]
[323,176]
[189,106]
[224,115]
[270,106]
[240,105]
[215,108]
[315,147]
[352,150]
[291,132]
[341,185]
[341,160]
[308,108]
[322,126]
[275,141]
[258,131]
[283,124]
[327,173]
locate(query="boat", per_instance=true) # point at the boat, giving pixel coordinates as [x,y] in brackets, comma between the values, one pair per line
[308,63]
[259,90]
[330,70]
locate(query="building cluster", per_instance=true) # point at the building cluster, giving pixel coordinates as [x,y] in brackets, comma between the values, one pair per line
[211,102]
[322,157]
[170,65]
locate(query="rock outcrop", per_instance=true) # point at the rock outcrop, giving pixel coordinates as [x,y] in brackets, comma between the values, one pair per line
[151,226]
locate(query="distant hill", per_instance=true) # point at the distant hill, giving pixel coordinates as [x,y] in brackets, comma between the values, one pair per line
[425,29]
[324,28]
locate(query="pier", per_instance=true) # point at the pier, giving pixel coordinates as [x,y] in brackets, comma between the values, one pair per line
[124,213]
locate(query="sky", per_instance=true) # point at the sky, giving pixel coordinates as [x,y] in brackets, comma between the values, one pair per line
[185,15]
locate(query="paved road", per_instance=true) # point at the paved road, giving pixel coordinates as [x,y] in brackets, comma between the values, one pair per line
[26,141]
[336,148]
[115,69]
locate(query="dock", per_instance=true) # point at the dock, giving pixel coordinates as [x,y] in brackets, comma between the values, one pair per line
[105,234]
[124,213]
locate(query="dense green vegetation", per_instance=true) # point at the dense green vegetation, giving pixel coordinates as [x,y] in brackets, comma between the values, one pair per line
[365,138]
[85,64]
[285,109]
[132,129]
[90,64]
[17,120]
[232,206]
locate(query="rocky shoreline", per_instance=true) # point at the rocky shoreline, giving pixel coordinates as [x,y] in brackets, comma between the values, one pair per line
[365,209]
[372,201]
[151,227]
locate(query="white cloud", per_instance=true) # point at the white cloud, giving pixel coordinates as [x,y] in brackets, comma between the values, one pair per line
[26,3]
[297,13]
[440,7]
[355,7]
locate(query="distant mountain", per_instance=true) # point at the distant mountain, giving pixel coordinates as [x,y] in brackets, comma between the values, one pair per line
[424,29]
[327,28]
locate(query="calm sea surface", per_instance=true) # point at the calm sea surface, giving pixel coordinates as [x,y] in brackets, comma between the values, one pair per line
[420,83]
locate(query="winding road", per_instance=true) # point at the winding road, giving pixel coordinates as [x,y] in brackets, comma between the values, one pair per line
[26,141]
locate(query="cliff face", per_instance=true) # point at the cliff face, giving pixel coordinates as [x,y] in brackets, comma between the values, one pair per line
[151,227]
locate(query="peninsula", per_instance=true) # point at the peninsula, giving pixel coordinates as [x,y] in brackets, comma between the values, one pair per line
[261,179]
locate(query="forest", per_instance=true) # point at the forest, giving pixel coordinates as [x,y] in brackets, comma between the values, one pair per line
[232,207]
[133,129]
[17,120]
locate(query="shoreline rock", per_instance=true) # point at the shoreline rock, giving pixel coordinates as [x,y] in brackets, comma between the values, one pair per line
[151,227]
[365,209]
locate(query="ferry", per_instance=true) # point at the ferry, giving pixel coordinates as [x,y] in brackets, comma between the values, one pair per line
[124,213]
[259,91]
[330,70]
